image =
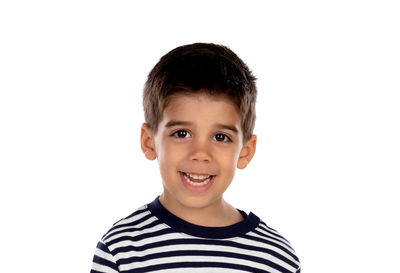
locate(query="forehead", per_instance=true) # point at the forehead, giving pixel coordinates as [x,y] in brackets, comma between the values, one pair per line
[201,107]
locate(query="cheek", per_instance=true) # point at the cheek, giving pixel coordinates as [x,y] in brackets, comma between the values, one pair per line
[233,154]
[228,160]
[169,155]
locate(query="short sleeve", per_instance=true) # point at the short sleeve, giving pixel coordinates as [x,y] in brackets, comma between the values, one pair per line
[103,260]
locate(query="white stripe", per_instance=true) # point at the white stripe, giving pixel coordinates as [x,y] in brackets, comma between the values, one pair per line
[223,249]
[277,240]
[133,218]
[103,268]
[172,236]
[267,246]
[201,270]
[134,234]
[146,241]
[100,253]
[167,260]
[271,232]
[120,234]
[273,239]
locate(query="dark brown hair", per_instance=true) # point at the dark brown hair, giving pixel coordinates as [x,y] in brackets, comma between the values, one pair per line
[209,68]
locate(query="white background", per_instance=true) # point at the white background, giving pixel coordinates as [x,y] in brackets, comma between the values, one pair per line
[327,163]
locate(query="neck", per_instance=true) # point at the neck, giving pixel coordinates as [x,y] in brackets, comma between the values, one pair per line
[216,214]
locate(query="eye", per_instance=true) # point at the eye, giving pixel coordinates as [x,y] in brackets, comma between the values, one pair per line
[181,134]
[221,138]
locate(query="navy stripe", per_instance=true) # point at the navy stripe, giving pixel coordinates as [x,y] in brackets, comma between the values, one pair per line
[283,241]
[132,229]
[256,234]
[191,265]
[102,261]
[141,237]
[137,212]
[272,232]
[265,224]
[118,225]
[272,244]
[202,242]
[287,249]
[180,253]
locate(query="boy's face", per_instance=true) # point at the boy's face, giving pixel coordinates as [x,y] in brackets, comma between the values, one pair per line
[199,145]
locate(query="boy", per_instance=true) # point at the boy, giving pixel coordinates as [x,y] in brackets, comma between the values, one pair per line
[199,104]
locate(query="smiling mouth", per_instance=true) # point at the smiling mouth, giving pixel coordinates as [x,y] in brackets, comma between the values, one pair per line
[197,179]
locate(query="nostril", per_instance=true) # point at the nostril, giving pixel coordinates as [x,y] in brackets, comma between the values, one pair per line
[201,156]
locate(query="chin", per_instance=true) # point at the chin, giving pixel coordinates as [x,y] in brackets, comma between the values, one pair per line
[197,202]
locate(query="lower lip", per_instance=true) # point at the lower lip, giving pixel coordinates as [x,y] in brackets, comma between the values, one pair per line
[196,189]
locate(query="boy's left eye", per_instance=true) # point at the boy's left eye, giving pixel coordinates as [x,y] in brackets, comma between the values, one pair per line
[221,138]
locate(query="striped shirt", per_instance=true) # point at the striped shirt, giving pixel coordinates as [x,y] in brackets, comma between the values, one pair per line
[152,239]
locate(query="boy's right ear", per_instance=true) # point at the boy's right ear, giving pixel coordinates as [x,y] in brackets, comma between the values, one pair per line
[147,142]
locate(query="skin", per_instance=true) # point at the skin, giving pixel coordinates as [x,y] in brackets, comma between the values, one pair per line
[190,139]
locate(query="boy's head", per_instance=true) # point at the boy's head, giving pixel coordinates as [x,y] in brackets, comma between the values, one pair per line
[201,68]
[199,104]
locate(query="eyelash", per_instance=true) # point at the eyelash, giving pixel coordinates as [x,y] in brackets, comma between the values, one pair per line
[176,133]
[226,138]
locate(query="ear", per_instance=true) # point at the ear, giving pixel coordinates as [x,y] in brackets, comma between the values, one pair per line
[147,142]
[247,153]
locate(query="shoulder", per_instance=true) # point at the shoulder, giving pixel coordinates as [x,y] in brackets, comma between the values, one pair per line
[274,244]
[128,226]
[266,232]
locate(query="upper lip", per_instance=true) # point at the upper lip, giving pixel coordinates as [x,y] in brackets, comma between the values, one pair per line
[199,174]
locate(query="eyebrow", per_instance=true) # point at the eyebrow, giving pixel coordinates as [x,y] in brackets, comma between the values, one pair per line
[172,123]
[227,127]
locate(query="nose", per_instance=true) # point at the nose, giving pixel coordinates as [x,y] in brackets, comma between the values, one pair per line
[200,150]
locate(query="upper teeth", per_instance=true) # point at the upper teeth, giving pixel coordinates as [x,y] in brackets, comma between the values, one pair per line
[197,176]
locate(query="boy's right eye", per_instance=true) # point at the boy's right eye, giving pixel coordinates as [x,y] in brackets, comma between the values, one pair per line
[181,134]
